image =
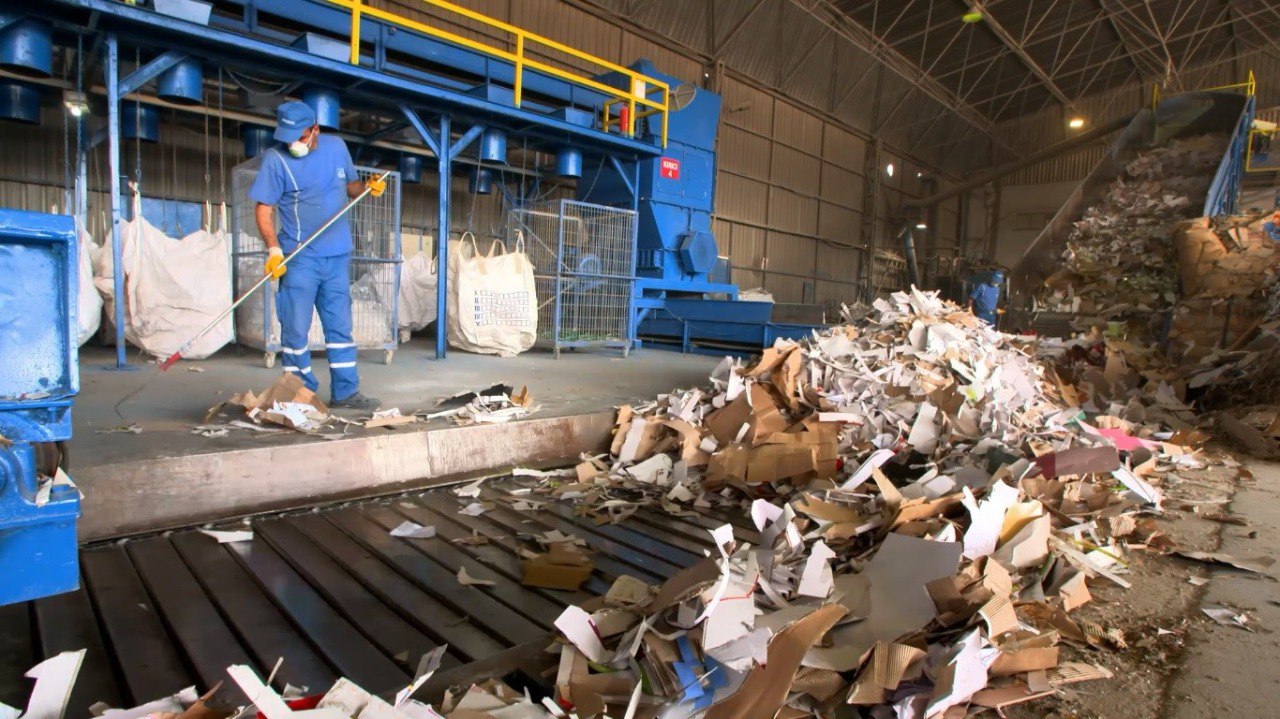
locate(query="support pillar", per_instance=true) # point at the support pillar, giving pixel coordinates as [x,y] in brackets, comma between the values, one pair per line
[442,240]
[113,161]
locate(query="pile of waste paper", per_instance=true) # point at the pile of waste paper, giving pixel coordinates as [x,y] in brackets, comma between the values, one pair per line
[932,505]
[1119,259]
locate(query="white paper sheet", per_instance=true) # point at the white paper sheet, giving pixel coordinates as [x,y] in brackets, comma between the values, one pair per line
[413,530]
[576,625]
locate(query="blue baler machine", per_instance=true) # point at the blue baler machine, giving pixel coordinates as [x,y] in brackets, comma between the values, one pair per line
[39,379]
[676,302]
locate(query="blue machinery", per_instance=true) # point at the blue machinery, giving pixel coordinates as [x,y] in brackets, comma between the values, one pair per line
[460,96]
[38,353]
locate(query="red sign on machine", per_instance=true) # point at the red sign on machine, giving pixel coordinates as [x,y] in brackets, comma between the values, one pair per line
[670,168]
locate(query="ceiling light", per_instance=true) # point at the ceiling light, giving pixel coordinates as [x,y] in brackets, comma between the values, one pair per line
[921,226]
[888,169]
[75,102]
[971,17]
[1075,123]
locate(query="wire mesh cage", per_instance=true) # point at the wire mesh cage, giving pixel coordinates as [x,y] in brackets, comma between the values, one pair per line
[583,257]
[375,270]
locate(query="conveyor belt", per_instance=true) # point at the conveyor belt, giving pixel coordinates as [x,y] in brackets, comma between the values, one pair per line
[330,591]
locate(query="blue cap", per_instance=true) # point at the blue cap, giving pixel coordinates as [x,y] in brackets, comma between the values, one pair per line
[292,119]
[997,275]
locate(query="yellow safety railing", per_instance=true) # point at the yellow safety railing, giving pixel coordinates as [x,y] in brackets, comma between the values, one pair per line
[642,91]
[1250,86]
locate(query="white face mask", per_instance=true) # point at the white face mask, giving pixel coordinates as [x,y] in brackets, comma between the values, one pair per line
[299,148]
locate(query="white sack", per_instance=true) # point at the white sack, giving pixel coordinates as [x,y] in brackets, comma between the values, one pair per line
[173,288]
[493,301]
[89,308]
[417,292]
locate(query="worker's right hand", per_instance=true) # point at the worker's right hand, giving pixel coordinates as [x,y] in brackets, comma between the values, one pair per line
[275,263]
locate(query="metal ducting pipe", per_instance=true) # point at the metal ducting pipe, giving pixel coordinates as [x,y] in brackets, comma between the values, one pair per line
[139,122]
[481,182]
[20,102]
[182,84]
[326,103]
[569,162]
[493,146]
[256,139]
[410,169]
[26,45]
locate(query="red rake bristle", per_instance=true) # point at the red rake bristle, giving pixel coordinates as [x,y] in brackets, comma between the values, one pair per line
[173,359]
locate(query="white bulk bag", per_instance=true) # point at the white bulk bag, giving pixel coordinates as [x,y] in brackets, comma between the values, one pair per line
[89,306]
[417,292]
[493,301]
[173,288]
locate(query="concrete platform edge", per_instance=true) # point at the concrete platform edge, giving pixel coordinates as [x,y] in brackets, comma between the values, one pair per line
[153,495]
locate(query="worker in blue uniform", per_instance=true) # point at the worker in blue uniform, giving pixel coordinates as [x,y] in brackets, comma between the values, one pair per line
[984,299]
[308,178]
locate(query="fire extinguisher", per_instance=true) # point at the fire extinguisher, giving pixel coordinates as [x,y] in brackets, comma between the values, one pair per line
[624,115]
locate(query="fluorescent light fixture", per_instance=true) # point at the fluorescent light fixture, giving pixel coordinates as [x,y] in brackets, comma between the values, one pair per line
[888,169]
[1075,123]
[971,17]
[75,102]
[921,226]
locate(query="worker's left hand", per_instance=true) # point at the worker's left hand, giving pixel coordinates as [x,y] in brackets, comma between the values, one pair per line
[376,187]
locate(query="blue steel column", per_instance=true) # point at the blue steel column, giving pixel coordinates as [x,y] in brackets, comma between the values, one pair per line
[442,240]
[113,158]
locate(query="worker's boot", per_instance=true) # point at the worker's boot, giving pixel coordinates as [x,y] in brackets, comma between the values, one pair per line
[357,401]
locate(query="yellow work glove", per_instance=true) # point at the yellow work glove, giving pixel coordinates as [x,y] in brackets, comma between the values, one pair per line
[275,258]
[376,187]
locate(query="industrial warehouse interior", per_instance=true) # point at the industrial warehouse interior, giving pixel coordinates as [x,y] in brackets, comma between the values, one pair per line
[644,359]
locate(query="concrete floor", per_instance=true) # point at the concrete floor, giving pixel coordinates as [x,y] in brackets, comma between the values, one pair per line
[1228,671]
[170,404]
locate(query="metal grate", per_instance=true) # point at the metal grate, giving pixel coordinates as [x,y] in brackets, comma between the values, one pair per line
[375,270]
[583,257]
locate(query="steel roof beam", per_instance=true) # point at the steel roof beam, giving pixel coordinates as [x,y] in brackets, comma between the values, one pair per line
[1019,51]
[883,51]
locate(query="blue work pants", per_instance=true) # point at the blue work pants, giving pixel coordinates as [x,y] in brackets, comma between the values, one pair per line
[325,284]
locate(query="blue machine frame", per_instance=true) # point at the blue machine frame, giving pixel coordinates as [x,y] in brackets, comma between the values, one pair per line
[553,117]
[437,87]
[38,351]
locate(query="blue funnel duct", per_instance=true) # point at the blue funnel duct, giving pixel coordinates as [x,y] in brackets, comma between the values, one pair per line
[569,162]
[410,168]
[481,182]
[26,45]
[182,83]
[493,146]
[20,102]
[139,122]
[326,103]
[256,139]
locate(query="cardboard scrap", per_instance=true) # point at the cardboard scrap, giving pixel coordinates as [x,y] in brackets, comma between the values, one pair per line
[562,566]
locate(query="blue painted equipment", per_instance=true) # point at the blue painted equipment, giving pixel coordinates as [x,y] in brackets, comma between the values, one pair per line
[256,139]
[410,168]
[26,44]
[481,182]
[677,301]
[38,352]
[493,146]
[139,122]
[20,102]
[182,83]
[326,104]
